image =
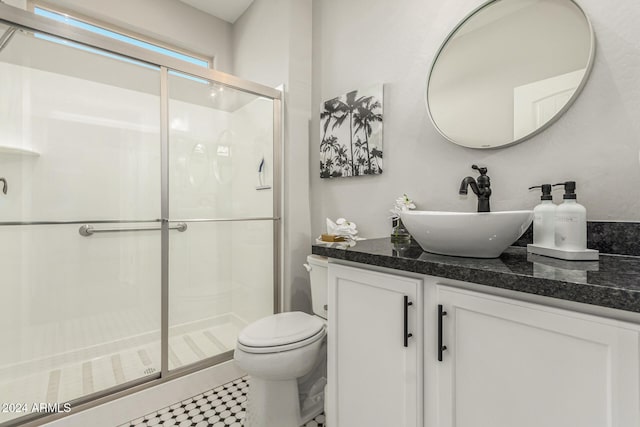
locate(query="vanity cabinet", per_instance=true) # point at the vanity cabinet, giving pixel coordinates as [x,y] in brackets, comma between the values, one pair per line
[375,349]
[511,363]
[504,362]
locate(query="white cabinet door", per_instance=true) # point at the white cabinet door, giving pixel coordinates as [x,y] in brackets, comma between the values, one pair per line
[374,379]
[515,364]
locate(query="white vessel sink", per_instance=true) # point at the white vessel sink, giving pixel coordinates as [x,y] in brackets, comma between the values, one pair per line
[477,235]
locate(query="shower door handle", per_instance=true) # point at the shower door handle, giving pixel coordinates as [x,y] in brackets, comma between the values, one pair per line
[88,230]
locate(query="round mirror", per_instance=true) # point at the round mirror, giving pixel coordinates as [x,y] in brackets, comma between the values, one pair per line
[509,70]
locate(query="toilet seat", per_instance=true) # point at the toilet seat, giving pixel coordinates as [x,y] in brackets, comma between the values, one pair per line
[281,332]
[280,348]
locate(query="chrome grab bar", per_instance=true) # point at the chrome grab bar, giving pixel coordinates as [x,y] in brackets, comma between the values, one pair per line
[88,230]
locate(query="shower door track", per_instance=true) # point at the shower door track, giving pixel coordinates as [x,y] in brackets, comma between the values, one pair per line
[17,18]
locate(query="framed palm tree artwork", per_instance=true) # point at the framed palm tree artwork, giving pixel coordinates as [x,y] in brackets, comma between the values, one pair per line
[351,134]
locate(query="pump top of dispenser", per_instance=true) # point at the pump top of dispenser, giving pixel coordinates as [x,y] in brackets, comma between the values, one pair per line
[569,189]
[546,191]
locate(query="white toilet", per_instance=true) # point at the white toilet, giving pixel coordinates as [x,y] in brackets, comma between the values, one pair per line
[285,357]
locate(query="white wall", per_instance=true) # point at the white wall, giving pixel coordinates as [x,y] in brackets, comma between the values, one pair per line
[272,46]
[260,42]
[170,21]
[596,143]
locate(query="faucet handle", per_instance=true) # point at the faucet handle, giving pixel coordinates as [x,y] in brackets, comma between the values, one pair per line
[483,171]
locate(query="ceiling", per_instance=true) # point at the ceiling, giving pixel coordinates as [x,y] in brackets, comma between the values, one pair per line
[228,10]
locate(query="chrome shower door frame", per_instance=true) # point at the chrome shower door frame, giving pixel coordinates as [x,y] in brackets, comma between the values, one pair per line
[15,17]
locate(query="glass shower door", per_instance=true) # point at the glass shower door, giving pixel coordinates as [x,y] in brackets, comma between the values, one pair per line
[221,184]
[80,152]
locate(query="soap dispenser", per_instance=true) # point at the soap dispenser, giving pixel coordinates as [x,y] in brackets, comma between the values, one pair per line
[570,221]
[544,218]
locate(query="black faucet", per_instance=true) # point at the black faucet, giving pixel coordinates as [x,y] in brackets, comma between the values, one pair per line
[481,188]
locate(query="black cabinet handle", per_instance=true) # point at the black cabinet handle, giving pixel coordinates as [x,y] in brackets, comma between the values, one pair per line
[406,333]
[441,348]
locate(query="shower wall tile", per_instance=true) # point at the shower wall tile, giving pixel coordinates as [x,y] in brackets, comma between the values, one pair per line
[98,145]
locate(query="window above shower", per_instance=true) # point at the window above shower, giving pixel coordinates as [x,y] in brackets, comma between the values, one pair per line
[122,36]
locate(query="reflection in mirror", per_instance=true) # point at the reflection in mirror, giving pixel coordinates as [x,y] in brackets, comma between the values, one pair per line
[509,70]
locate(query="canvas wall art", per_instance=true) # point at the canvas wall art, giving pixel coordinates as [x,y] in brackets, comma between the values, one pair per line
[351,134]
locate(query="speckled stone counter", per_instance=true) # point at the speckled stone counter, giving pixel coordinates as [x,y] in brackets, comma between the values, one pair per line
[613,281]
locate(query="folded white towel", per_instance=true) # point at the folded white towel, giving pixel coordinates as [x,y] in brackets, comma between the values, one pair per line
[342,228]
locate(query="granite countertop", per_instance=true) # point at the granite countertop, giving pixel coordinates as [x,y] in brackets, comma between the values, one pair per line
[613,281]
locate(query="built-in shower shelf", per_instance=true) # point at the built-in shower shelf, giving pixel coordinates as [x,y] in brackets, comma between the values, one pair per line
[5,149]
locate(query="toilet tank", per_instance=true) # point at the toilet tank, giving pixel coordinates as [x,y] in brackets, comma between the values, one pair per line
[317,267]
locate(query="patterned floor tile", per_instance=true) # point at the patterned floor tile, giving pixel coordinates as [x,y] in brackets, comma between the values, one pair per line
[224,406]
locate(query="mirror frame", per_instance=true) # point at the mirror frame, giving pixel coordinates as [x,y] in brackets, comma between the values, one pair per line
[568,104]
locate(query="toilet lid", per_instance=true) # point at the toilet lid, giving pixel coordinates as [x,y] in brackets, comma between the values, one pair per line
[280,329]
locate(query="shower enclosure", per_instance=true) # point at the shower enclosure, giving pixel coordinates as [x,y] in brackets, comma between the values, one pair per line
[141,225]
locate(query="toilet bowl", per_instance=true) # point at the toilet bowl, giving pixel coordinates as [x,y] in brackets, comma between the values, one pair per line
[285,357]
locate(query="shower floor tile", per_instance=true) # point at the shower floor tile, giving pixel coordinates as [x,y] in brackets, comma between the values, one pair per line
[224,406]
[65,382]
